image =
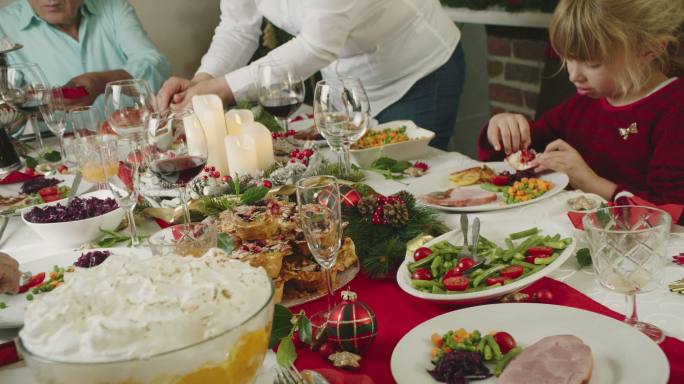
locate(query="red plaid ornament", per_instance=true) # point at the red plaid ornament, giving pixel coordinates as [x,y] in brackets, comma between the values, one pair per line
[352,325]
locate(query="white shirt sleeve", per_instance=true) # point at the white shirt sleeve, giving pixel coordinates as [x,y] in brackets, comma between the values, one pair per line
[322,38]
[235,40]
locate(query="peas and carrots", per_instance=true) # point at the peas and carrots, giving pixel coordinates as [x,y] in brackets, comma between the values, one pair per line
[374,139]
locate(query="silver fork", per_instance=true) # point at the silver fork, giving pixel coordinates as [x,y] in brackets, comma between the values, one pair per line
[465,251]
[288,375]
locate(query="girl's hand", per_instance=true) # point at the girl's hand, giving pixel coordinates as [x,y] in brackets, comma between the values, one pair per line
[510,130]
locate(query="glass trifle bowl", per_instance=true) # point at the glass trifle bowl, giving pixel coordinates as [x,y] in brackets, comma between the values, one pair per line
[143,319]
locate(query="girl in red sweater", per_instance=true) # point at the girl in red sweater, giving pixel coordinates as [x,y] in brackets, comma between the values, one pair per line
[624,130]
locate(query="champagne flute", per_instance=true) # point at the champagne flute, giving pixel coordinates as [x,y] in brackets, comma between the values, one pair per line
[54,114]
[177,150]
[341,112]
[128,105]
[280,91]
[318,200]
[629,252]
[85,121]
[121,160]
[23,86]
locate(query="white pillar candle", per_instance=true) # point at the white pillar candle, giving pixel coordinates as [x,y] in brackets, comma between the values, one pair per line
[241,155]
[264,143]
[194,136]
[209,110]
[235,118]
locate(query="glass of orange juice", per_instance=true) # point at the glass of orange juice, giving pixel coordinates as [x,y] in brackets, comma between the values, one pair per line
[90,162]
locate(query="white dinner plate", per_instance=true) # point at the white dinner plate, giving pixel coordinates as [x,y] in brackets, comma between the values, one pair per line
[13,315]
[621,354]
[496,232]
[432,182]
[67,179]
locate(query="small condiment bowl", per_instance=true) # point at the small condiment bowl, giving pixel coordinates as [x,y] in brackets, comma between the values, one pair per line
[193,239]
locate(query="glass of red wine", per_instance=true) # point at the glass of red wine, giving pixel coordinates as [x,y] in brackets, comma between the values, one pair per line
[176,150]
[280,90]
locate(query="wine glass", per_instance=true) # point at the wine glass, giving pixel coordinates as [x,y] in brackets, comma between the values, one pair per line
[341,113]
[54,115]
[23,86]
[280,91]
[128,104]
[85,120]
[318,200]
[629,252]
[177,149]
[120,160]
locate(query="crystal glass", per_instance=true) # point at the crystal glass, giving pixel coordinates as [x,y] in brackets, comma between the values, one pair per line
[318,200]
[85,121]
[280,90]
[341,112]
[629,252]
[23,86]
[90,160]
[193,239]
[128,104]
[177,150]
[54,115]
[120,160]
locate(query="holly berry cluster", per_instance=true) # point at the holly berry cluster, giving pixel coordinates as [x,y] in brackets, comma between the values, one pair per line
[212,173]
[420,165]
[283,135]
[301,156]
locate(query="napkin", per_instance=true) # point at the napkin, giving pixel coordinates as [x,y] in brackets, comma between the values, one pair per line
[17,177]
[339,377]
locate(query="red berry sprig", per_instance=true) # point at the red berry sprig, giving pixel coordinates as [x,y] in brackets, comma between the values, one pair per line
[420,165]
[302,156]
[283,135]
[211,172]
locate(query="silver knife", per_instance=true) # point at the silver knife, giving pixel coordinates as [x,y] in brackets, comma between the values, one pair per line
[74,187]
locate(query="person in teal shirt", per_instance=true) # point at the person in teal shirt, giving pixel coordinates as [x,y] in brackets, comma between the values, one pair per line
[83,43]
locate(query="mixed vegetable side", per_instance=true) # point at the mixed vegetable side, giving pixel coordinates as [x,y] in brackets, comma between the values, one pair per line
[440,269]
[459,354]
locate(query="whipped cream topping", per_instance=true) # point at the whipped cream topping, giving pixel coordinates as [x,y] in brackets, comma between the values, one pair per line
[132,306]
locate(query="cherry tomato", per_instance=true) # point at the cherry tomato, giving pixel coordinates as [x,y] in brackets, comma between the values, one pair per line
[540,251]
[530,259]
[453,272]
[543,296]
[495,280]
[421,253]
[465,264]
[50,198]
[63,169]
[48,191]
[456,283]
[422,274]
[505,340]
[500,180]
[512,272]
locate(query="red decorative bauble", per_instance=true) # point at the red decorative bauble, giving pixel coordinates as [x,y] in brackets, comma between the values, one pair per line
[352,325]
[351,198]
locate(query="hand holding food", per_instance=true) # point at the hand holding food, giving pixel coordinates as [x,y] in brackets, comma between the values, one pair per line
[560,156]
[510,131]
[9,274]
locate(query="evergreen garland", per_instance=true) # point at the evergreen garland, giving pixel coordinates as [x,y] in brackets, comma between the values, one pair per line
[382,248]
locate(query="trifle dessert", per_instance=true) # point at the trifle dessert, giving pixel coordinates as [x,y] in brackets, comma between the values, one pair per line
[138,319]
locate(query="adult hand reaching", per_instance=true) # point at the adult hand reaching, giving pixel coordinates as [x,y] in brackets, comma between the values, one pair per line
[177,93]
[9,274]
[172,92]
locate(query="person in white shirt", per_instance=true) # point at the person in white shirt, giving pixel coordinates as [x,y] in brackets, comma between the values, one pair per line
[405,52]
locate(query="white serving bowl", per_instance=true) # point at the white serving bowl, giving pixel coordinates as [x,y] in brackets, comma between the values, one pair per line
[73,233]
[495,232]
[414,148]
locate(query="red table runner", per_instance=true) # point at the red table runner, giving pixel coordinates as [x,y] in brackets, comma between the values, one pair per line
[398,313]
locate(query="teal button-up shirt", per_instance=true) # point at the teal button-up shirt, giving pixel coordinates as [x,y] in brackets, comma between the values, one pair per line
[110,38]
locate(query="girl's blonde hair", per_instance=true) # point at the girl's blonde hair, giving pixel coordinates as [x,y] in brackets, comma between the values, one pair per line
[618,31]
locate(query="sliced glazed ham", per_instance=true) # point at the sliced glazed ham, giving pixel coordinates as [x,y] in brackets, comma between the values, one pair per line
[460,197]
[562,359]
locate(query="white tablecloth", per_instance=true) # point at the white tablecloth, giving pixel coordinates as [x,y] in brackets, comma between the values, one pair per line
[660,307]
